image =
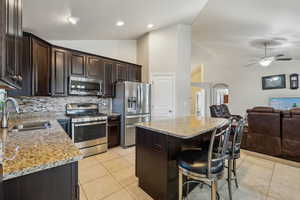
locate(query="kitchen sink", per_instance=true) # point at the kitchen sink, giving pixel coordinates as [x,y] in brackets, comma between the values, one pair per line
[30,126]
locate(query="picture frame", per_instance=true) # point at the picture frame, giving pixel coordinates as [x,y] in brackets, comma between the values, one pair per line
[274,82]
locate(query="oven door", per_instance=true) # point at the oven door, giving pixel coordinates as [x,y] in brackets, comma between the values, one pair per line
[87,134]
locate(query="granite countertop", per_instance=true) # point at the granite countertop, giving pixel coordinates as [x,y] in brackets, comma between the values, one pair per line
[38,149]
[184,127]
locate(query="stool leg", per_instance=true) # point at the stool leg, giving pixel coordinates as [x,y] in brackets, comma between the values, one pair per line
[235,174]
[180,179]
[214,190]
[229,178]
[187,190]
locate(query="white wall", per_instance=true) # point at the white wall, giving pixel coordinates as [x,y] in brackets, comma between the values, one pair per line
[119,49]
[245,83]
[169,51]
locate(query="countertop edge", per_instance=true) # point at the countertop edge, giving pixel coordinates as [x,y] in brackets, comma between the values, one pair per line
[40,168]
[180,136]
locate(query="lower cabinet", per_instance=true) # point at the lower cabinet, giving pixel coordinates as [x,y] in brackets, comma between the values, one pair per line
[59,183]
[113,132]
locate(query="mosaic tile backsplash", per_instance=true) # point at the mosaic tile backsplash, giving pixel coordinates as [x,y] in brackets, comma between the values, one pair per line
[58,104]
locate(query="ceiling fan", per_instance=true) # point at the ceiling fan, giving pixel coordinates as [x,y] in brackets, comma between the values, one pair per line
[266,61]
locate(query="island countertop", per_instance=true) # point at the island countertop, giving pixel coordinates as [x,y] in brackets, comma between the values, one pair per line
[38,149]
[184,127]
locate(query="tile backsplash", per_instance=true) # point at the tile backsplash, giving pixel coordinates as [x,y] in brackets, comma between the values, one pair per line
[58,104]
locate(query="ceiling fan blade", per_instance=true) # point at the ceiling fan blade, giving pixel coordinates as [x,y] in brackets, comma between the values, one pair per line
[279,55]
[284,59]
[251,64]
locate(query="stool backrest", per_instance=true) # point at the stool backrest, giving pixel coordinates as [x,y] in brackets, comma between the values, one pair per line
[238,135]
[218,146]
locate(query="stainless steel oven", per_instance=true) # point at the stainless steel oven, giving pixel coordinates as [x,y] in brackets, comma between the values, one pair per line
[89,128]
[85,86]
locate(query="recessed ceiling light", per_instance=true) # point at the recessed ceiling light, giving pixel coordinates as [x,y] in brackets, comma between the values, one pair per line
[72,20]
[120,23]
[150,25]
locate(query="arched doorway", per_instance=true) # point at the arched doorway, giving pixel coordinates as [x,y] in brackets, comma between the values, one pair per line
[220,93]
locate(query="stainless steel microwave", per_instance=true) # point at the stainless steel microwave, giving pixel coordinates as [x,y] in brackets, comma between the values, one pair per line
[85,86]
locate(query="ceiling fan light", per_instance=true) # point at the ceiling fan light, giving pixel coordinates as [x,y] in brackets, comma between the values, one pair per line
[265,62]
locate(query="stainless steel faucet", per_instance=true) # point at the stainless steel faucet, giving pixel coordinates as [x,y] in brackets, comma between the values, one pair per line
[5,112]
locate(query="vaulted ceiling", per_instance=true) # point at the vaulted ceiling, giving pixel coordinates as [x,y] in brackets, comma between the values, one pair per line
[232,28]
[47,18]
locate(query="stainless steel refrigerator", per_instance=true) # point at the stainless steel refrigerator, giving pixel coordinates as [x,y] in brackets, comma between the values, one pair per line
[133,102]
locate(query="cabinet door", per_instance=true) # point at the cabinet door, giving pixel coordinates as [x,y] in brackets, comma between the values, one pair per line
[59,69]
[13,49]
[95,68]
[121,72]
[41,68]
[109,76]
[113,135]
[134,73]
[77,64]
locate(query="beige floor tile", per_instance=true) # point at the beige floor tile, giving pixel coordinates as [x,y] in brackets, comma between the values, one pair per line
[122,151]
[116,164]
[82,194]
[87,162]
[92,173]
[101,187]
[130,158]
[109,155]
[120,195]
[125,176]
[135,191]
[285,183]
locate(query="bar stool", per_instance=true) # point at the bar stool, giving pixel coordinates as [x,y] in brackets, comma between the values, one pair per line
[203,166]
[234,153]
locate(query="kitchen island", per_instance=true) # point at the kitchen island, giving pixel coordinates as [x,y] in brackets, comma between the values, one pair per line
[157,146]
[46,165]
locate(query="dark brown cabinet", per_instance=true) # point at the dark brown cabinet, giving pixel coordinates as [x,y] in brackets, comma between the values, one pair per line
[95,68]
[134,73]
[121,72]
[113,131]
[109,78]
[59,183]
[59,72]
[41,68]
[11,43]
[77,64]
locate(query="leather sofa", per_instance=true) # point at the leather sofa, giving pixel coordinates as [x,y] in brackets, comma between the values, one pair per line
[264,131]
[291,134]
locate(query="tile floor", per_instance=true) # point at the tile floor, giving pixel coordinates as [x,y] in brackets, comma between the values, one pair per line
[110,176]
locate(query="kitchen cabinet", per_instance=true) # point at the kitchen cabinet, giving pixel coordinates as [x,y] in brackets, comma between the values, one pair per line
[109,78]
[95,68]
[40,59]
[59,183]
[77,64]
[134,73]
[121,72]
[11,43]
[113,133]
[59,72]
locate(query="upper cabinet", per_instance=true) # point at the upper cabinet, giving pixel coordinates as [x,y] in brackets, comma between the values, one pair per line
[40,60]
[77,64]
[134,73]
[11,43]
[109,78]
[121,72]
[95,68]
[59,72]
